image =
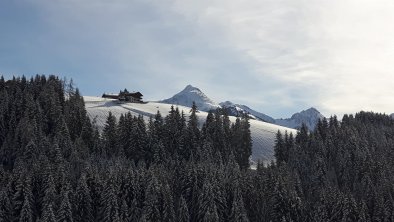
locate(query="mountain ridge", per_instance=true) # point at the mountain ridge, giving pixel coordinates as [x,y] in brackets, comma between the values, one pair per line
[238,109]
[190,93]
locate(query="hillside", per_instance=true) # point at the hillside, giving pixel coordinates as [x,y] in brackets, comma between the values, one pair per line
[263,134]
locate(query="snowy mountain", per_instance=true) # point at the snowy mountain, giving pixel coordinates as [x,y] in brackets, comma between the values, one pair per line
[263,134]
[309,117]
[237,110]
[190,94]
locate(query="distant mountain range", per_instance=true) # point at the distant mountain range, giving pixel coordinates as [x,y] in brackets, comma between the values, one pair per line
[186,97]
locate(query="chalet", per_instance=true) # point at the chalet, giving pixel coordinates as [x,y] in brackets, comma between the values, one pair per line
[135,97]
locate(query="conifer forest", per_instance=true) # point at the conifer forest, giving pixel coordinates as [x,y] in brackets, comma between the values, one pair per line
[56,165]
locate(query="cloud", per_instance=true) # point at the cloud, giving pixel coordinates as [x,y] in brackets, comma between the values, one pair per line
[147,44]
[336,55]
[277,56]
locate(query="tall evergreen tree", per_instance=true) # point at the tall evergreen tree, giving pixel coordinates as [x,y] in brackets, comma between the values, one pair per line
[151,210]
[64,213]
[110,135]
[110,203]
[280,149]
[5,207]
[183,211]
[207,209]
[83,202]
[238,212]
[26,214]
[23,198]
[48,215]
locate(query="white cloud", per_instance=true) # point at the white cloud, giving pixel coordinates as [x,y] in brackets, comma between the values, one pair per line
[339,51]
[278,56]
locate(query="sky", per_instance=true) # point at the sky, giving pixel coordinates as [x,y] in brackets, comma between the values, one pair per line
[276,56]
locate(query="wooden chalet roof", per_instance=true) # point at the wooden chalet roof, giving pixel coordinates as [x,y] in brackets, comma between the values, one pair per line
[136,94]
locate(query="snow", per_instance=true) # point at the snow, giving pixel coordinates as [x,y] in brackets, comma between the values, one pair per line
[263,134]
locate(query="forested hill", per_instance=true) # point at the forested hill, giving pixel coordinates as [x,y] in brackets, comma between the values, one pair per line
[342,171]
[56,166]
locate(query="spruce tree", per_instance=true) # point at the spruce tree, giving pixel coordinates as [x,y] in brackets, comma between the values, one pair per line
[168,213]
[5,207]
[207,210]
[279,148]
[83,202]
[48,215]
[64,213]
[238,212]
[183,211]
[124,212]
[26,214]
[110,135]
[246,150]
[159,125]
[151,210]
[49,192]
[23,198]
[110,203]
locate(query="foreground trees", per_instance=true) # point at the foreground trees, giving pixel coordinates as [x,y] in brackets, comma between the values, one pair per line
[56,166]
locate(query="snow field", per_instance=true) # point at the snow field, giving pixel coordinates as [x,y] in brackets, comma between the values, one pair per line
[263,134]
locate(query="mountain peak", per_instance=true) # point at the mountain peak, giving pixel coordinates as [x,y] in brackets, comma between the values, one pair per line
[192,94]
[309,116]
[190,88]
[309,112]
[312,109]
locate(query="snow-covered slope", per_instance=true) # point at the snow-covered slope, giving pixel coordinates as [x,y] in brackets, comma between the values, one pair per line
[190,94]
[237,110]
[310,117]
[263,134]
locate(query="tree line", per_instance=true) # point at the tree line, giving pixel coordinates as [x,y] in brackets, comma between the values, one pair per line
[55,165]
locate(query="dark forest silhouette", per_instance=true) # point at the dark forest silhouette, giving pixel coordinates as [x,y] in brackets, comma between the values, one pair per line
[57,166]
